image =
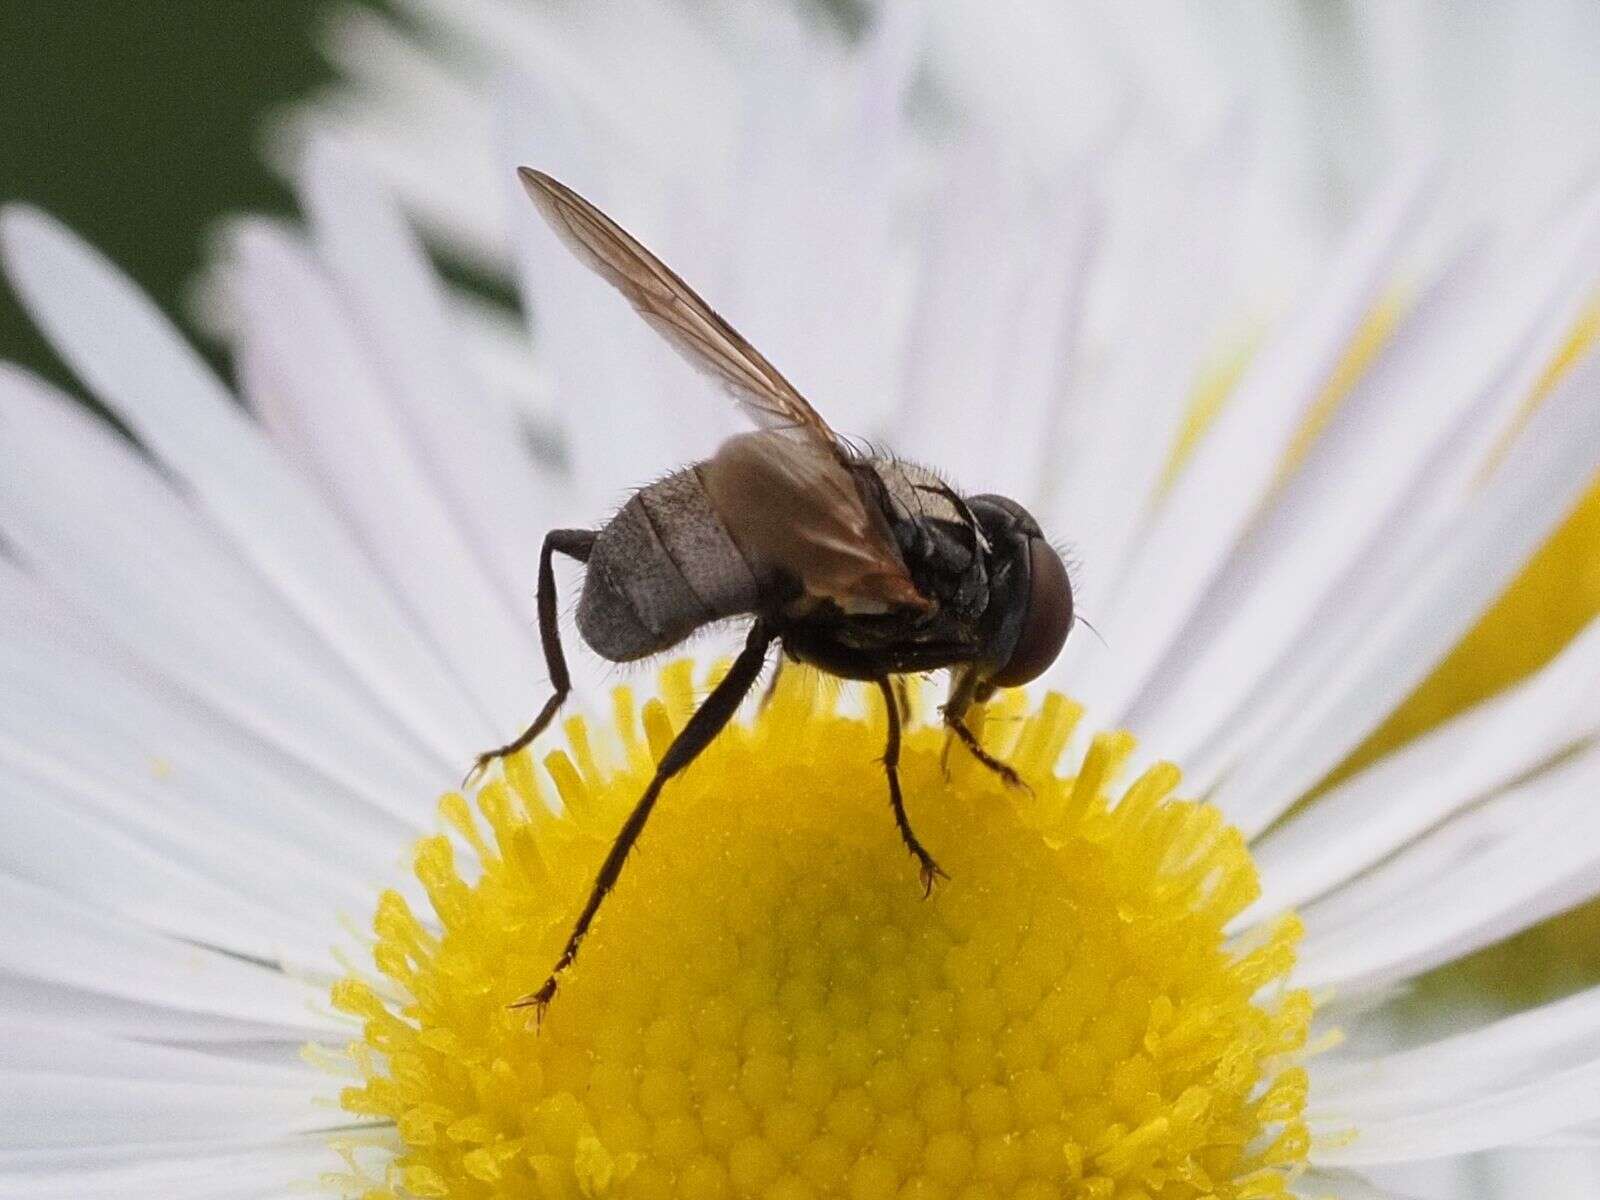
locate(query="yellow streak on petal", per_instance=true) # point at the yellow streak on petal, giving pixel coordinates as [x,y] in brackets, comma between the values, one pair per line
[1554,596]
[1370,337]
[1218,376]
[1221,375]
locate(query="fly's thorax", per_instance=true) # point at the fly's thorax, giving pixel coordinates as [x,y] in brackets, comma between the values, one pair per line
[916,492]
[660,569]
[942,546]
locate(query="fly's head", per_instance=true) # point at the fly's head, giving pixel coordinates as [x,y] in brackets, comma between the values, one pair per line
[1030,595]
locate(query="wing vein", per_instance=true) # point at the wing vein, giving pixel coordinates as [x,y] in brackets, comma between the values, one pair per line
[788,495]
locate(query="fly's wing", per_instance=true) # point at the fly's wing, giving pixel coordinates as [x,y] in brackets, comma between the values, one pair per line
[790,502]
[790,505]
[673,309]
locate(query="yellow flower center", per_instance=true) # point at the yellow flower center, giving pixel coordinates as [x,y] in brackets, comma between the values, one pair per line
[767,1006]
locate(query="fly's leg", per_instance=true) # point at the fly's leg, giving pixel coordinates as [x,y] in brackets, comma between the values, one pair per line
[969,739]
[694,737]
[576,544]
[772,685]
[902,691]
[930,870]
[967,691]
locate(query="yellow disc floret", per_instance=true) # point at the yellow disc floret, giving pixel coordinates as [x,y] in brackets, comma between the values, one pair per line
[768,1007]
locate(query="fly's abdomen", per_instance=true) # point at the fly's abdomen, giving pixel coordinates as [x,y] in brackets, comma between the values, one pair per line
[662,568]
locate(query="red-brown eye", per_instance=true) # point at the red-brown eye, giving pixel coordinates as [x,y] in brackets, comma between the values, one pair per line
[1048,618]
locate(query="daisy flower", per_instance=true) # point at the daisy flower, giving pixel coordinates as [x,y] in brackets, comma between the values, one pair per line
[1312,460]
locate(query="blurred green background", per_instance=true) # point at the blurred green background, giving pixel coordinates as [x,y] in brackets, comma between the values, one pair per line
[138,124]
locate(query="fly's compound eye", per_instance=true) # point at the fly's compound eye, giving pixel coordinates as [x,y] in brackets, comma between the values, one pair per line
[1046,621]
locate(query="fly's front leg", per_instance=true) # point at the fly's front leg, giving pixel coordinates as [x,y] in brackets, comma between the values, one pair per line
[930,870]
[703,726]
[970,740]
[576,544]
[963,687]
[967,689]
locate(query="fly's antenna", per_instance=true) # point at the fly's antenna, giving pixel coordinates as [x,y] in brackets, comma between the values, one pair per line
[1079,617]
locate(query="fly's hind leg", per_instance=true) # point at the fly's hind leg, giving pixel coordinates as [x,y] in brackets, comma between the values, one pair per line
[772,685]
[930,870]
[694,737]
[576,544]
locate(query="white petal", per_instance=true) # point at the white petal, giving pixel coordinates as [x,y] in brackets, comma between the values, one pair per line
[1049,318]
[419,124]
[1456,575]
[1044,73]
[1121,422]
[70,1010]
[1460,1178]
[630,407]
[203,1170]
[1341,1185]
[509,373]
[326,398]
[44,1050]
[998,304]
[1465,759]
[623,65]
[1507,1053]
[50,845]
[50,939]
[881,74]
[1208,507]
[48,1109]
[134,361]
[117,746]
[1578,1137]
[219,633]
[1528,855]
[1553,1172]
[1451,1126]
[1316,522]
[1527,314]
[504,503]
[832,322]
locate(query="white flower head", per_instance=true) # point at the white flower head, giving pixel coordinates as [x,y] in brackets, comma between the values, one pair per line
[1304,386]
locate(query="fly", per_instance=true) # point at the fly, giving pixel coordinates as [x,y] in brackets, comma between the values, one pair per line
[863,567]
